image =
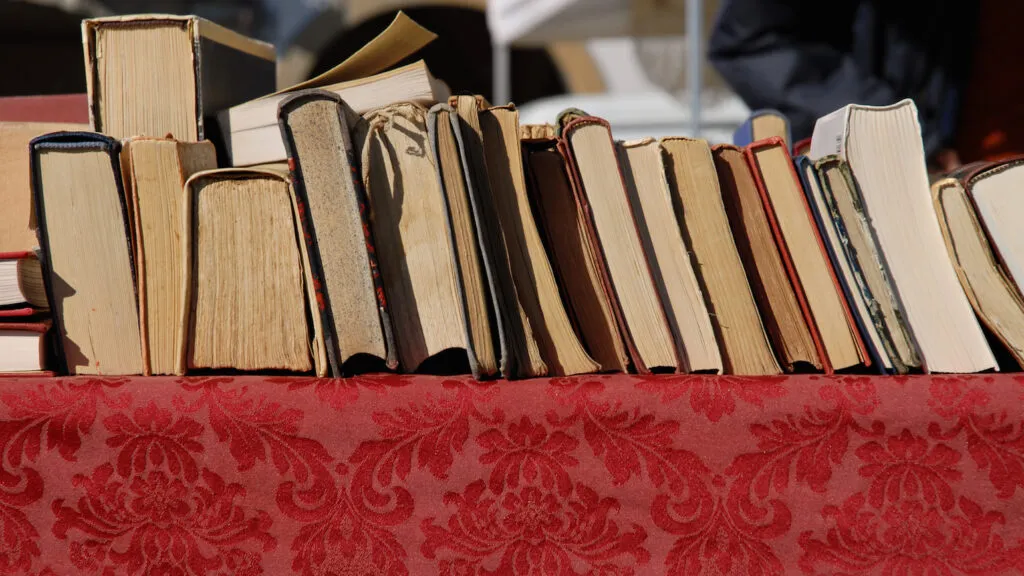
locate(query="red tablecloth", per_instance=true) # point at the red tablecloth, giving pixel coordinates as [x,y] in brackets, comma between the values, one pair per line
[583,476]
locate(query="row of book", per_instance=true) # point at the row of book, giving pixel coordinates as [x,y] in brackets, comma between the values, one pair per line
[378,223]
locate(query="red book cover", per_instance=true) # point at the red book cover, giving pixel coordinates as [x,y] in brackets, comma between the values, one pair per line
[71,108]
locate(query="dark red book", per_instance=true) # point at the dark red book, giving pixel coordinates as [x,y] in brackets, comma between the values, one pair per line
[71,108]
[23,348]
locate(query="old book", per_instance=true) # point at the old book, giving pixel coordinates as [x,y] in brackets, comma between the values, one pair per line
[573,249]
[17,219]
[21,282]
[247,287]
[315,127]
[694,184]
[415,251]
[161,75]
[883,148]
[559,346]
[23,347]
[587,144]
[668,255]
[865,310]
[995,190]
[846,206]
[55,108]
[84,233]
[994,296]
[763,124]
[781,303]
[155,171]
[520,355]
[465,227]
[804,253]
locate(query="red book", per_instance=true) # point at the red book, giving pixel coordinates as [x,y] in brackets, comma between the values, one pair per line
[23,349]
[70,108]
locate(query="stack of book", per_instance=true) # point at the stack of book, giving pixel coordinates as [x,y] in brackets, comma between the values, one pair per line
[367,220]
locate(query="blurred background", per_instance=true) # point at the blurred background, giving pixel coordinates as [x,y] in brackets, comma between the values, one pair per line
[625,60]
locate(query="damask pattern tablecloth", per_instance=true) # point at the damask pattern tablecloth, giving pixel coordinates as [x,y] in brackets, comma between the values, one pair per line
[603,476]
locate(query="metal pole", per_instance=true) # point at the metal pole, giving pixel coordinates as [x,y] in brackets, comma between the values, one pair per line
[502,62]
[694,26]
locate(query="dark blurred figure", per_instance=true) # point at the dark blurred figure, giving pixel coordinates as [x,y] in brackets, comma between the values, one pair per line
[959,61]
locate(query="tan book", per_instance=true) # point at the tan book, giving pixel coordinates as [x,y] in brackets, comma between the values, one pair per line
[315,125]
[465,227]
[160,75]
[84,230]
[560,347]
[17,219]
[780,308]
[587,143]
[694,184]
[247,287]
[668,254]
[996,299]
[413,246]
[574,251]
[155,171]
[520,355]
[804,253]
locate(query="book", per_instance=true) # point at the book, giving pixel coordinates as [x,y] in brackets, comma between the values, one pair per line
[23,347]
[363,80]
[761,125]
[846,206]
[587,144]
[21,283]
[155,171]
[802,147]
[85,236]
[51,108]
[334,215]
[572,247]
[804,253]
[668,255]
[161,75]
[739,330]
[17,219]
[995,297]
[520,355]
[414,248]
[561,351]
[884,150]
[994,190]
[247,286]
[783,308]
[475,280]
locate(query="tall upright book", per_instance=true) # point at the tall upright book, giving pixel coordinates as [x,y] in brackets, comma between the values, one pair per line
[587,144]
[995,190]
[763,124]
[334,215]
[408,221]
[668,255]
[247,287]
[155,171]
[159,74]
[560,347]
[85,236]
[883,148]
[694,184]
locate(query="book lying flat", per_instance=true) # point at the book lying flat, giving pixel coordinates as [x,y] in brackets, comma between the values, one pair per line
[995,297]
[644,172]
[465,228]
[884,150]
[782,305]
[21,284]
[587,143]
[85,233]
[334,214]
[155,171]
[694,184]
[54,108]
[23,347]
[160,75]
[408,221]
[247,286]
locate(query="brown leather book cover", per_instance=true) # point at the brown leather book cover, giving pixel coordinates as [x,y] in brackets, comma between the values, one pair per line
[69,108]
